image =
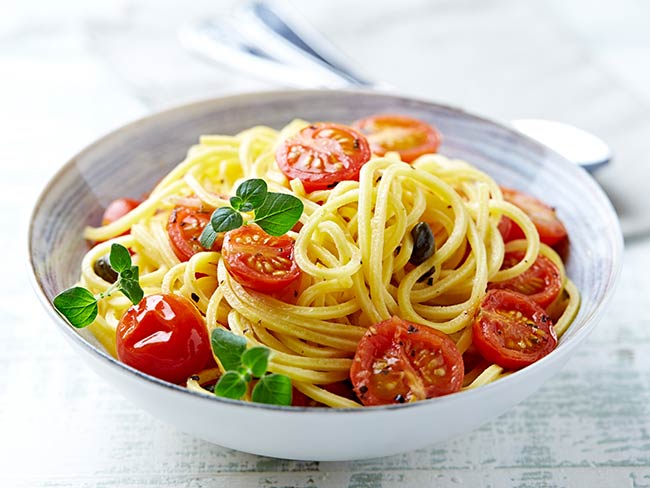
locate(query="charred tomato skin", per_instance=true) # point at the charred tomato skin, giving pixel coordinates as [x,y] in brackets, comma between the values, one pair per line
[398,361]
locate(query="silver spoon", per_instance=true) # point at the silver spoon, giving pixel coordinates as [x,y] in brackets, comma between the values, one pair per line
[270,38]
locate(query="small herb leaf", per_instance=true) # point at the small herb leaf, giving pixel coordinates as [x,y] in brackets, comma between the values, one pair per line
[120,258]
[246,207]
[231,385]
[77,305]
[279,213]
[129,284]
[251,193]
[256,359]
[228,347]
[225,218]
[236,202]
[274,389]
[208,236]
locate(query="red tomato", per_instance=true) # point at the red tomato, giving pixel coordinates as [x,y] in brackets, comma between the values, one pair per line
[398,362]
[259,261]
[322,154]
[505,227]
[164,336]
[411,138]
[184,228]
[299,399]
[551,229]
[511,330]
[117,209]
[541,282]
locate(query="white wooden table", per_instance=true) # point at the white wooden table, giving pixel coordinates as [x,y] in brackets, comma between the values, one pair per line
[72,70]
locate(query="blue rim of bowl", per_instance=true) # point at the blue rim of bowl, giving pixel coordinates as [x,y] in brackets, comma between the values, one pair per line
[563,348]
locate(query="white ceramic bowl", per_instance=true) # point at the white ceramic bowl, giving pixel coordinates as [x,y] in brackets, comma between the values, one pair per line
[130,160]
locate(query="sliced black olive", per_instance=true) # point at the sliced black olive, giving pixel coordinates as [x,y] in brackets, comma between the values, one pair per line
[103,269]
[427,275]
[424,244]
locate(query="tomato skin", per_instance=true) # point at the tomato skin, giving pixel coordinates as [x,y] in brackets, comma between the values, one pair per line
[248,251]
[541,282]
[323,154]
[397,361]
[505,321]
[411,138]
[164,336]
[505,228]
[551,230]
[118,208]
[184,228]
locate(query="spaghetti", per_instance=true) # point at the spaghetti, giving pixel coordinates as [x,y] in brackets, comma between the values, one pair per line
[353,246]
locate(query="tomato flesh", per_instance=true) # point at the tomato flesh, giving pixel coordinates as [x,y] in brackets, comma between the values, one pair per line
[541,282]
[398,362]
[321,155]
[184,228]
[411,138]
[511,330]
[259,261]
[551,229]
[164,336]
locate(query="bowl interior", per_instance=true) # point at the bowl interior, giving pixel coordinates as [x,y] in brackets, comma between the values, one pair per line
[129,161]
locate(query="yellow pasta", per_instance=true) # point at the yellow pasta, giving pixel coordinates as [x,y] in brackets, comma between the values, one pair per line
[353,249]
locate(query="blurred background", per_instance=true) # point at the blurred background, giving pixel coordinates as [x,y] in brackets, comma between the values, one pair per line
[72,70]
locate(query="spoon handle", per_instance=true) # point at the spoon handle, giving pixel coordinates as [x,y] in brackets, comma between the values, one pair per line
[304,46]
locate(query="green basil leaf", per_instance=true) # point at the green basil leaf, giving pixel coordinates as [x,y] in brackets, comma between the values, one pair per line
[252,194]
[77,305]
[120,258]
[274,389]
[231,385]
[228,347]
[256,359]
[208,236]
[246,207]
[225,218]
[236,202]
[126,275]
[129,284]
[279,213]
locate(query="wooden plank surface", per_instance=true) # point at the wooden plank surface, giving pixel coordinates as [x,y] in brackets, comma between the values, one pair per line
[70,72]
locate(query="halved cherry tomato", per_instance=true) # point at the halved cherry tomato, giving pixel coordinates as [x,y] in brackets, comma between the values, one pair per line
[551,229]
[541,282]
[397,362]
[411,138]
[259,261]
[184,227]
[511,330]
[164,336]
[322,155]
[118,208]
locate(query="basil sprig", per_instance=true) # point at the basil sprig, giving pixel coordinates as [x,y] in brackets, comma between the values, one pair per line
[242,365]
[79,306]
[275,213]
